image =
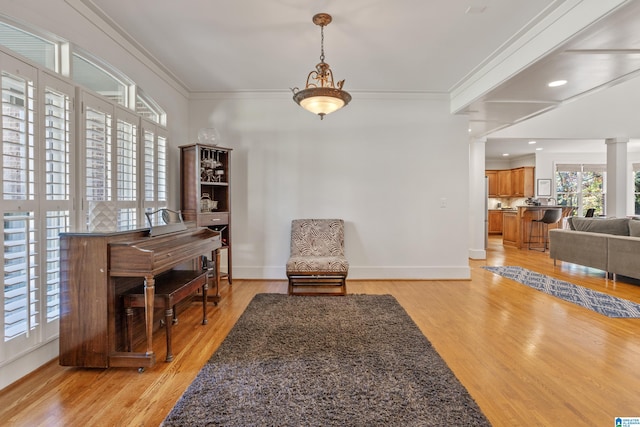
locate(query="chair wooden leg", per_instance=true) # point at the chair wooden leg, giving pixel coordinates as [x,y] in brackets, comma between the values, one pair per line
[317,281]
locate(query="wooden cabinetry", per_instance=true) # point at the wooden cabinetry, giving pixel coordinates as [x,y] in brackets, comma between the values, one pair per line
[492,183]
[504,183]
[205,193]
[522,182]
[510,229]
[495,222]
[516,182]
[517,224]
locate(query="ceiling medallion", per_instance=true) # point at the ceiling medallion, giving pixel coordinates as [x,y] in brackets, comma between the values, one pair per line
[321,96]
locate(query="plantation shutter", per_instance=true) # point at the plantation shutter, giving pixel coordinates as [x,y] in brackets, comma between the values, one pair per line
[155,168]
[57,205]
[101,213]
[20,296]
[127,170]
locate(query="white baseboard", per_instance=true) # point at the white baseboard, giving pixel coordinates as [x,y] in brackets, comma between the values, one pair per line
[18,368]
[366,273]
[477,254]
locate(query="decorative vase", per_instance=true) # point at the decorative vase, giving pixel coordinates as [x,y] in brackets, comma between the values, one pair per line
[209,136]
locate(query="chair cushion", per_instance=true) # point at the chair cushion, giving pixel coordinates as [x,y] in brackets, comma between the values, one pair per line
[317,264]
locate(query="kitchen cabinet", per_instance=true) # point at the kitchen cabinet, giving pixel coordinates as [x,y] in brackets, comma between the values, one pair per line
[495,222]
[517,182]
[516,224]
[522,182]
[510,229]
[492,183]
[504,183]
[205,196]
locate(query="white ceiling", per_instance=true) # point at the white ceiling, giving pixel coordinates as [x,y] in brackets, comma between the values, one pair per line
[383,46]
[399,45]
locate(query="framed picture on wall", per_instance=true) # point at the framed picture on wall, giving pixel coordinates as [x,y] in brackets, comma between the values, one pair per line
[544,187]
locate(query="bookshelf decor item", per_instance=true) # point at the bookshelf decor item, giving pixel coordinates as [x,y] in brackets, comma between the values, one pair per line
[209,136]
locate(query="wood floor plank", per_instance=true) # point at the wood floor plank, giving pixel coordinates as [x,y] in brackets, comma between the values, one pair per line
[526,357]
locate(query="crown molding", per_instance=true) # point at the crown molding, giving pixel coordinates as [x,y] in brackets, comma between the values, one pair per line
[107,26]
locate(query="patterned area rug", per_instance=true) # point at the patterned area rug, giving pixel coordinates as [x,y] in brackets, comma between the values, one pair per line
[355,360]
[593,300]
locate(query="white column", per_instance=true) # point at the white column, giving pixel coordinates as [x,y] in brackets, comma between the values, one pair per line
[477,200]
[616,203]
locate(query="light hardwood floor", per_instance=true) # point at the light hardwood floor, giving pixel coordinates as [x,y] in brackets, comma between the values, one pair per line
[527,358]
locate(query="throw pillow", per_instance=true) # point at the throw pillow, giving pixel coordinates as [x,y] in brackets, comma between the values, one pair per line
[634,228]
[616,226]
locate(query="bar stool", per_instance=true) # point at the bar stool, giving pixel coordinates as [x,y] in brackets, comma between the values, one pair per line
[550,216]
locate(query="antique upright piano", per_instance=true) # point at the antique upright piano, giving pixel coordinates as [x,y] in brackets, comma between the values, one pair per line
[97,268]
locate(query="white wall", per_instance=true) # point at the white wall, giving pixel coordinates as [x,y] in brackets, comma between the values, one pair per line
[384,164]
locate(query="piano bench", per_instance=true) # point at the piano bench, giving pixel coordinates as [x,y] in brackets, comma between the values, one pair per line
[170,288]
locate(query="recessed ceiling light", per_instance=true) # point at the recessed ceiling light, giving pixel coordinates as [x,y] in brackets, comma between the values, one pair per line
[557,83]
[532,142]
[505,154]
[539,149]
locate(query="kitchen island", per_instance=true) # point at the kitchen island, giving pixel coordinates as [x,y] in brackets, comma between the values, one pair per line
[517,223]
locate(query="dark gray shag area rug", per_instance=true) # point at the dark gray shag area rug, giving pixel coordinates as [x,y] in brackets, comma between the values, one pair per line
[355,360]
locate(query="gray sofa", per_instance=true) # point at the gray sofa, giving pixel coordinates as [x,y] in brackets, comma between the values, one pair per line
[611,245]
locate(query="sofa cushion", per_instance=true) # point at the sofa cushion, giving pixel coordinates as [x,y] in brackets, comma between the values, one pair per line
[634,228]
[616,226]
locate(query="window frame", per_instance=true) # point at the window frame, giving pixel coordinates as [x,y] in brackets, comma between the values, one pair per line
[579,193]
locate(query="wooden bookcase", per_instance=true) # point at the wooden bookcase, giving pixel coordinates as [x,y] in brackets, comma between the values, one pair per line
[205,192]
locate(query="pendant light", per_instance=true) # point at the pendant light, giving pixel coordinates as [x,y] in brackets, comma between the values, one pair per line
[321,96]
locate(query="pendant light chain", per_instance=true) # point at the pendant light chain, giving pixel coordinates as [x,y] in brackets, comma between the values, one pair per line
[321,43]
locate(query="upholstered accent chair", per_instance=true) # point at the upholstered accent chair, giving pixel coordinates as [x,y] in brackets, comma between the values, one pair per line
[317,265]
